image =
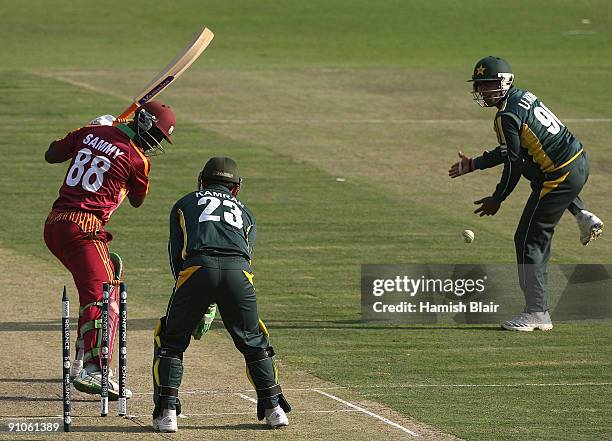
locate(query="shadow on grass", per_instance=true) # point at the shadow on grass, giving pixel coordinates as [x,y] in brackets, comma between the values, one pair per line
[37,399]
[244,426]
[145,324]
[148,429]
[30,380]
[113,429]
[356,324]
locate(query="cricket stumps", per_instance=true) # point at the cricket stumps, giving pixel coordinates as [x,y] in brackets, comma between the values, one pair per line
[66,361]
[122,349]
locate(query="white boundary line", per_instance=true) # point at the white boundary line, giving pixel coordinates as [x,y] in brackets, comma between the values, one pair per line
[367,412]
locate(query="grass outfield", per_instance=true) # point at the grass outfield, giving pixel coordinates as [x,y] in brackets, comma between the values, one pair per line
[303,93]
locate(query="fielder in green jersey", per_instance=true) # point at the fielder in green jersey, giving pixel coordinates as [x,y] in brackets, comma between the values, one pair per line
[211,245]
[533,143]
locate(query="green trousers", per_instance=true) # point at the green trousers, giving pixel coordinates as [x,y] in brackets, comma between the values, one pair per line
[226,281]
[551,195]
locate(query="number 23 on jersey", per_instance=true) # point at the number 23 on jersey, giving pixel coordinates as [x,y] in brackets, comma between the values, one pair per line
[232,214]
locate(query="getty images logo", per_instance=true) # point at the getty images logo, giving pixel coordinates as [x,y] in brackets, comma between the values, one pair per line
[413,286]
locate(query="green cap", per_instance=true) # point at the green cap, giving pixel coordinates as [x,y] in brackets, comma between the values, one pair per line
[221,169]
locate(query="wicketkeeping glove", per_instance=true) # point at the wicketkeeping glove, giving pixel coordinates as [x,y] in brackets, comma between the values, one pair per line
[205,323]
[104,120]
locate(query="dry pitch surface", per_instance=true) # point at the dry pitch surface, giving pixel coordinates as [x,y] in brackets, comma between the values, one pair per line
[218,401]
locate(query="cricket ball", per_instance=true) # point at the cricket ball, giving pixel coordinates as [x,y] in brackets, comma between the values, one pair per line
[468,236]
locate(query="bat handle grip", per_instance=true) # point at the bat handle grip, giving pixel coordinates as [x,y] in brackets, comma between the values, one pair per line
[127,112]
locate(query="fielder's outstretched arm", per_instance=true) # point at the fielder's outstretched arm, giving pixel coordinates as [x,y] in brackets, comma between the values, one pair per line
[490,158]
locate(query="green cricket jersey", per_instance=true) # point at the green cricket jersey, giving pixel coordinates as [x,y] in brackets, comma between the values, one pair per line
[532,142]
[209,222]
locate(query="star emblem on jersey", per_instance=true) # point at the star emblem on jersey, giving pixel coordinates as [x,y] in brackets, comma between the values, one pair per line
[480,70]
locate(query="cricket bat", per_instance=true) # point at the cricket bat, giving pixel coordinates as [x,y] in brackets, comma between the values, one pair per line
[171,72]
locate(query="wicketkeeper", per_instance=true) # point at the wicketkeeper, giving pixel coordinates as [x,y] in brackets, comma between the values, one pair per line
[211,245]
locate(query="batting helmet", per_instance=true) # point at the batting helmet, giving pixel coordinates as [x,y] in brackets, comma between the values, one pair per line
[162,117]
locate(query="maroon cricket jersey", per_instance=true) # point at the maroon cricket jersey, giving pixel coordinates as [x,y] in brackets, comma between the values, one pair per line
[105,166]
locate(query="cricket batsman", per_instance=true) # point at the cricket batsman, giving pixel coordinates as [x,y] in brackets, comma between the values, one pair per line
[107,164]
[533,143]
[212,234]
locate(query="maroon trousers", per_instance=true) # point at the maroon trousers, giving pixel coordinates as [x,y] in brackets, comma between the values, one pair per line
[85,255]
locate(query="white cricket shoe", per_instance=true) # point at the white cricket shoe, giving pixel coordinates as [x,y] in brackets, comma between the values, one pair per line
[89,381]
[529,321]
[166,421]
[276,417]
[77,366]
[590,226]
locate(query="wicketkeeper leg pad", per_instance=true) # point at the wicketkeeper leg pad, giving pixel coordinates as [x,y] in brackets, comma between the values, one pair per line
[263,375]
[167,375]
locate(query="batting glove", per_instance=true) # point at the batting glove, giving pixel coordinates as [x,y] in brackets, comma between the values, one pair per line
[463,166]
[205,323]
[104,120]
